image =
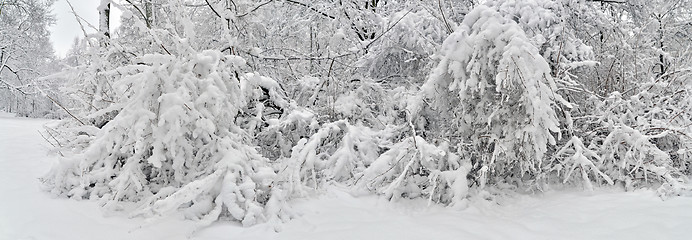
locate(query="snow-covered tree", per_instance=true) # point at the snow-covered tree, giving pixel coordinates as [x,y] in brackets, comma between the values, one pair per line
[494,97]
[177,139]
[25,56]
[175,144]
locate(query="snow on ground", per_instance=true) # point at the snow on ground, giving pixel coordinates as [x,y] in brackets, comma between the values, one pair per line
[28,213]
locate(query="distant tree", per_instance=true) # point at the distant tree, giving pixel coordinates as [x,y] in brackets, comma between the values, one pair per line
[25,55]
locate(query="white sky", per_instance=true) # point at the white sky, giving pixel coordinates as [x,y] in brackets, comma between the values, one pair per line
[66,28]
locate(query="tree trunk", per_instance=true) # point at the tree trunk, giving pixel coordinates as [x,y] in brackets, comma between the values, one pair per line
[149,12]
[104,20]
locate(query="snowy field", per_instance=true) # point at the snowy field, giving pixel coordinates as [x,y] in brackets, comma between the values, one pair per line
[28,213]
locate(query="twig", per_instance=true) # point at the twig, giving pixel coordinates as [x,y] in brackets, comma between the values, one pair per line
[212,9]
[164,48]
[61,106]
[13,87]
[146,19]
[667,129]
[676,116]
[311,8]
[254,9]
[387,30]
[77,17]
[44,138]
[439,6]
[413,128]
[52,136]
[559,55]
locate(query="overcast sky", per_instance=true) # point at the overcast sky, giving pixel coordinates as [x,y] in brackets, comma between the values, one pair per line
[66,29]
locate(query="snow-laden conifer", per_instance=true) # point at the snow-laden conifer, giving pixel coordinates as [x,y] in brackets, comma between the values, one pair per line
[495,97]
[176,145]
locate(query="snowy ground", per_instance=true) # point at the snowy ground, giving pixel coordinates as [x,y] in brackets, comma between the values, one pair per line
[28,213]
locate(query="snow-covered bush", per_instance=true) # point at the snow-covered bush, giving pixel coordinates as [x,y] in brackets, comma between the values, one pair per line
[372,104]
[176,145]
[338,151]
[415,168]
[642,139]
[280,135]
[495,97]
[545,23]
[575,156]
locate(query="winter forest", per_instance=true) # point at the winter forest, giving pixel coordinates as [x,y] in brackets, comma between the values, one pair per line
[230,110]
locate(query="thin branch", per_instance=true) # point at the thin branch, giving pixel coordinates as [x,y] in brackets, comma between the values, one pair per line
[77,17]
[49,142]
[146,19]
[212,9]
[607,1]
[63,108]
[254,9]
[294,58]
[4,66]
[449,28]
[13,87]
[388,29]
[311,8]
[2,5]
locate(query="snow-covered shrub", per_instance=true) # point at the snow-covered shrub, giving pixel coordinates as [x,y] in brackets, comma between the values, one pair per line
[278,137]
[266,100]
[338,151]
[362,156]
[642,139]
[549,25]
[632,158]
[176,145]
[370,103]
[492,92]
[545,23]
[403,53]
[574,156]
[415,168]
